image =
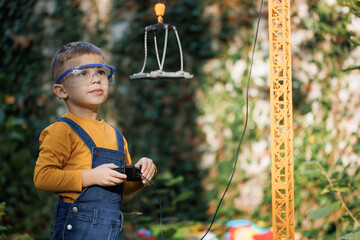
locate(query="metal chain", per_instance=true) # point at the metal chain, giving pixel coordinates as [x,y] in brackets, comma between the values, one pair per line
[180,49]
[164,51]
[157,51]
[161,64]
[145,46]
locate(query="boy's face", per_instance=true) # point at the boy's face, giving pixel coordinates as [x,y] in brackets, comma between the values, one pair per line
[87,96]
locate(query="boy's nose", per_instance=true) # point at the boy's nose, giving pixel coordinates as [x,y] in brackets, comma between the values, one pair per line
[95,78]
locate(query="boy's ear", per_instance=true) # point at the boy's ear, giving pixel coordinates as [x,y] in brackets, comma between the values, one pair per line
[60,91]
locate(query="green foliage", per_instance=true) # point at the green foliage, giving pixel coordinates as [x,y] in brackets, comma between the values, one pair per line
[4,228]
[351,236]
[332,191]
[354,7]
[18,111]
[2,213]
[324,211]
[330,48]
[24,112]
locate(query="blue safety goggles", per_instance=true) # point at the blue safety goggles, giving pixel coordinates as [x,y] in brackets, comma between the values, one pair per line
[105,69]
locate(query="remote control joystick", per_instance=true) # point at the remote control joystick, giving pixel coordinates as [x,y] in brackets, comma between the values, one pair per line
[132,173]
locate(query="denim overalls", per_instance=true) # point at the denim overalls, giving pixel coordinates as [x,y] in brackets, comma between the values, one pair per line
[96,213]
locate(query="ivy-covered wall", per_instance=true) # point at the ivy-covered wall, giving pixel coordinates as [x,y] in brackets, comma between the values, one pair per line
[191,128]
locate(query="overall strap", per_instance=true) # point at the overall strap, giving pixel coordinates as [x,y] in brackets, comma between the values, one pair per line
[120,140]
[80,132]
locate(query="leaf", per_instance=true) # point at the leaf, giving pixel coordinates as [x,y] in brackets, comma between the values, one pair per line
[184,196]
[133,213]
[351,68]
[324,211]
[325,190]
[311,162]
[309,172]
[341,189]
[335,189]
[354,41]
[176,181]
[351,236]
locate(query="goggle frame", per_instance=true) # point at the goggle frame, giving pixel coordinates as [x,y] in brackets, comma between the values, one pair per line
[112,70]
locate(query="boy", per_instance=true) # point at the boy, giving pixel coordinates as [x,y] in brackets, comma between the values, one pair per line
[79,152]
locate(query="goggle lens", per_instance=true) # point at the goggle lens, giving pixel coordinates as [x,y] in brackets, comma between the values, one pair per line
[87,74]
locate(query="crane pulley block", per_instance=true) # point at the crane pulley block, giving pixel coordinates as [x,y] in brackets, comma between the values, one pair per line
[154,29]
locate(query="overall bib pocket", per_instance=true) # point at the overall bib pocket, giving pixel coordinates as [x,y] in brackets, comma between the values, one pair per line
[111,194]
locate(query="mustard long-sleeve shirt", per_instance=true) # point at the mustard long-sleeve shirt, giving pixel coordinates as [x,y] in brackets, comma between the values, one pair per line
[63,155]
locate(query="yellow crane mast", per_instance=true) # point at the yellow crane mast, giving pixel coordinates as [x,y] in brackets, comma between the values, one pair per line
[282,159]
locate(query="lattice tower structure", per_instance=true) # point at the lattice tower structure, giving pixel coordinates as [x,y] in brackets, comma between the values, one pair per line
[282,159]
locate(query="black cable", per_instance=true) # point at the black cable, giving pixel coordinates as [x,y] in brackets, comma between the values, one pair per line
[157,194]
[241,140]
[246,121]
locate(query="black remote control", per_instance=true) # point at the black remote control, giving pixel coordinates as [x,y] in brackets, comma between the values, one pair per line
[132,173]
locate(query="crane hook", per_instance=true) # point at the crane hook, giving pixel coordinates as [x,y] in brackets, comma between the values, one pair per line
[160,11]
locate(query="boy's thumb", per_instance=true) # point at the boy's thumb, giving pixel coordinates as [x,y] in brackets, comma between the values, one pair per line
[111,165]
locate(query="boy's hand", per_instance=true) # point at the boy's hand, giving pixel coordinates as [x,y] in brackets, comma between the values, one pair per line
[103,175]
[148,168]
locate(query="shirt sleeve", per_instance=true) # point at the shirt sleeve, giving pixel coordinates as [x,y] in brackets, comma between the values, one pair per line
[54,152]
